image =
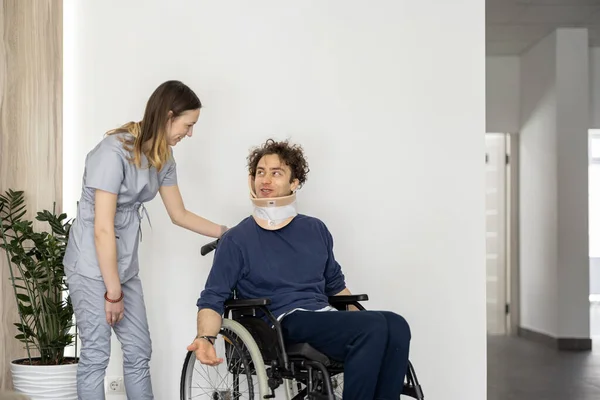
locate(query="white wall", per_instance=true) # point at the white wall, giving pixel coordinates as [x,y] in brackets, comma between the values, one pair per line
[538,182]
[594,68]
[349,82]
[503,82]
[573,86]
[553,186]
[502,85]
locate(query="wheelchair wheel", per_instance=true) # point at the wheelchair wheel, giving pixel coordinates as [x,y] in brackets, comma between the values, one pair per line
[241,376]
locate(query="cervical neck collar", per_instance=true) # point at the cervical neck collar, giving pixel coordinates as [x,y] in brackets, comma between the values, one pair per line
[272,213]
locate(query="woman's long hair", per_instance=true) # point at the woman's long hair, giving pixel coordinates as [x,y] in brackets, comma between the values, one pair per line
[171,96]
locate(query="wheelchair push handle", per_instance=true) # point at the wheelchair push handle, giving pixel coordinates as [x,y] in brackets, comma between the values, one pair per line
[207,248]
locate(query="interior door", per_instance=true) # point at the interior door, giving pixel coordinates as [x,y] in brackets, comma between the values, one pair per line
[496,163]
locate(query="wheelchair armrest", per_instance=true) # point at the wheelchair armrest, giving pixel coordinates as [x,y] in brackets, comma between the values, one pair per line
[243,303]
[343,301]
[347,299]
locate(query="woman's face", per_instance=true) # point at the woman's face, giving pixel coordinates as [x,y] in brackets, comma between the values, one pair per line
[181,126]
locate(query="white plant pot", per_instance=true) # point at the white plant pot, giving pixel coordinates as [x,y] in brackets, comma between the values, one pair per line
[45,382]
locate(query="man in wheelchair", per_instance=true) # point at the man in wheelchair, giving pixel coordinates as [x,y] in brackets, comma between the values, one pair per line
[288,257]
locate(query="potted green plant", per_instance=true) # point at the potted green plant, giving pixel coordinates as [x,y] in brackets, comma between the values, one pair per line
[35,263]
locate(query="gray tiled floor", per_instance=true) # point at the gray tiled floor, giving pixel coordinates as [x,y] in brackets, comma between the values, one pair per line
[521,370]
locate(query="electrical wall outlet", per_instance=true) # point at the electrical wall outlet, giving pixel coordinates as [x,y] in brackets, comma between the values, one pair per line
[115,385]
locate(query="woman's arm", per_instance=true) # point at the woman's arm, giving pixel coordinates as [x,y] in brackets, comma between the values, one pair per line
[173,202]
[106,250]
[105,240]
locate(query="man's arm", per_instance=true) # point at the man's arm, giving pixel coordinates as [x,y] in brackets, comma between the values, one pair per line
[335,281]
[346,292]
[223,278]
[209,324]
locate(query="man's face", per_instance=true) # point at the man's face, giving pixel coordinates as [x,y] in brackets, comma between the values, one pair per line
[273,178]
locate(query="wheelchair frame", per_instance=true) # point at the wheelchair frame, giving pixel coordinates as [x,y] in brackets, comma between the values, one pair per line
[299,362]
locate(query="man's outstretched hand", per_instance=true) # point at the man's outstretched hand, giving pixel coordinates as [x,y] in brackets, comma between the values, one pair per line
[205,352]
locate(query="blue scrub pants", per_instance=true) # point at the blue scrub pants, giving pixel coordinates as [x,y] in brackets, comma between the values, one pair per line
[373,345]
[87,296]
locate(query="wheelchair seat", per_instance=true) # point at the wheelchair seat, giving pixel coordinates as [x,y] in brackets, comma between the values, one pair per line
[270,341]
[305,350]
[266,339]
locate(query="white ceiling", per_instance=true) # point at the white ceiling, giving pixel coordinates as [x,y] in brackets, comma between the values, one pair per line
[512,26]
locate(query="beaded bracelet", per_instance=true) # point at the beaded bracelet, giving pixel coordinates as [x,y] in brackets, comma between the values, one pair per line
[113,301]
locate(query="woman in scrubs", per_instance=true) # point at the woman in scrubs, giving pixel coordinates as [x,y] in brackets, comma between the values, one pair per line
[126,169]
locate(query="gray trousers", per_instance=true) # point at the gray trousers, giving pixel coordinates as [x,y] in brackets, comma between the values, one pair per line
[87,296]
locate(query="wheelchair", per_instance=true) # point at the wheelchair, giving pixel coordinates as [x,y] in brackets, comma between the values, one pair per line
[258,365]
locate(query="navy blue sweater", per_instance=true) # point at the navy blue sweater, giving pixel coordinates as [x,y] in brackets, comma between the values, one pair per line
[293,266]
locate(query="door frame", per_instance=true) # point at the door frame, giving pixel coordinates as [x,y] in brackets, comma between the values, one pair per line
[511,234]
[513,317]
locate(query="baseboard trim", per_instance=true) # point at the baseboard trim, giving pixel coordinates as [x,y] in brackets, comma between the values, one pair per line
[562,344]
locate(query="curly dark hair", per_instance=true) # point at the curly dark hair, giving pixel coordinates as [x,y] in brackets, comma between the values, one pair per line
[291,155]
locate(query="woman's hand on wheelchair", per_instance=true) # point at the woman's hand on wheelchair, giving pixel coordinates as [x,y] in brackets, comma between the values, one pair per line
[205,352]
